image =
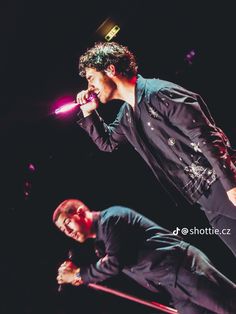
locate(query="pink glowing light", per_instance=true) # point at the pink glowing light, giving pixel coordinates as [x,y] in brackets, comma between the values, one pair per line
[66,108]
[190,56]
[27,184]
[152,304]
[60,103]
[31,167]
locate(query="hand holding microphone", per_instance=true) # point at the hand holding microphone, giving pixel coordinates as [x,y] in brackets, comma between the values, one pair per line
[68,273]
[86,100]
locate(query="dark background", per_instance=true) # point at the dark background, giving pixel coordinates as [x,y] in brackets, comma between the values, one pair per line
[45,159]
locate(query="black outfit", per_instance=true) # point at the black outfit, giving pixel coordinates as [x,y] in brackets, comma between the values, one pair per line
[172,129]
[154,257]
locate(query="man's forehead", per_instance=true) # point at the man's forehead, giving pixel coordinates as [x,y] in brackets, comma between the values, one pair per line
[61,219]
[90,71]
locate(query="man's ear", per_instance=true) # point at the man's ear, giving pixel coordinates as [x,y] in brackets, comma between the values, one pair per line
[80,212]
[110,70]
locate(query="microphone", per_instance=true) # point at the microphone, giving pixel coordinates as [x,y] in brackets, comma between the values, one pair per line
[72,105]
[70,256]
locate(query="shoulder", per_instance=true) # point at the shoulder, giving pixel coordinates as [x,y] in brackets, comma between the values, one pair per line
[119,215]
[116,213]
[159,92]
[156,84]
[115,219]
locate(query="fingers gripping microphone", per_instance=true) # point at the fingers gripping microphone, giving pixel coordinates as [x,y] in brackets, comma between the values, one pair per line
[70,256]
[67,107]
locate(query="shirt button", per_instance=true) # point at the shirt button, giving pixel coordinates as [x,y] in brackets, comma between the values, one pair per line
[171,141]
[180,159]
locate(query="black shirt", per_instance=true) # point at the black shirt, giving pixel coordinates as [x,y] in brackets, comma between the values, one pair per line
[136,246]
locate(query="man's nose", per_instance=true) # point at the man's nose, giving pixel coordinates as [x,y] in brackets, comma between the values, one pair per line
[90,86]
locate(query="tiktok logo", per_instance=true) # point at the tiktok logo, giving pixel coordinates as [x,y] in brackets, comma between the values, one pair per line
[176,231]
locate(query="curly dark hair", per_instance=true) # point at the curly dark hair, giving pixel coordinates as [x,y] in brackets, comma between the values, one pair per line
[103,54]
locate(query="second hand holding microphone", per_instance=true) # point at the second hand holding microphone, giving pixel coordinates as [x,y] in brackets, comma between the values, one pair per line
[65,108]
[70,256]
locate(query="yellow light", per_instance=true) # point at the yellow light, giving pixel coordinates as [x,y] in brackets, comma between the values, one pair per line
[112,33]
[108,29]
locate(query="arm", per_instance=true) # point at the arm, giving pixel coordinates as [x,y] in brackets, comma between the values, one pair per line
[116,240]
[187,112]
[106,137]
[116,237]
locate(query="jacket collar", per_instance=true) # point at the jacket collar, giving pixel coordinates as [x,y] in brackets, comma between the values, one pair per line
[96,218]
[139,89]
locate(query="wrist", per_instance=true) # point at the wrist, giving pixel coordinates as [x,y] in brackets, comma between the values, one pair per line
[86,113]
[77,278]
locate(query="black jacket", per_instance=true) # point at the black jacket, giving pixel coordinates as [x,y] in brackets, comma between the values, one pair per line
[135,246]
[172,129]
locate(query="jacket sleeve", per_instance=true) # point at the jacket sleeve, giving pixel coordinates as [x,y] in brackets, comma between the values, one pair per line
[188,112]
[115,240]
[106,137]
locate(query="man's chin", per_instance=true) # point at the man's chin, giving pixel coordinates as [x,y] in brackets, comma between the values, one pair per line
[81,239]
[103,100]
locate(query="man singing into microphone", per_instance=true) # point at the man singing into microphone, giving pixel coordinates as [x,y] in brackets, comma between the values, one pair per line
[151,255]
[169,126]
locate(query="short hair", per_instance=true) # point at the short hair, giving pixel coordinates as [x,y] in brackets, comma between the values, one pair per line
[103,54]
[67,207]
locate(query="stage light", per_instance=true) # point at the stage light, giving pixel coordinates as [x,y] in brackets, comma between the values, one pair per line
[108,29]
[31,167]
[190,56]
[112,33]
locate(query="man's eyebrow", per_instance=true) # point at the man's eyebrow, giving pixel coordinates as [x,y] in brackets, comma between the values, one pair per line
[65,220]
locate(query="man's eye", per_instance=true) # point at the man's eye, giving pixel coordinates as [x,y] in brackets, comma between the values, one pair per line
[67,221]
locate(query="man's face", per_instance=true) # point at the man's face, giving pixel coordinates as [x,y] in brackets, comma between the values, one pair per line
[102,85]
[75,225]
